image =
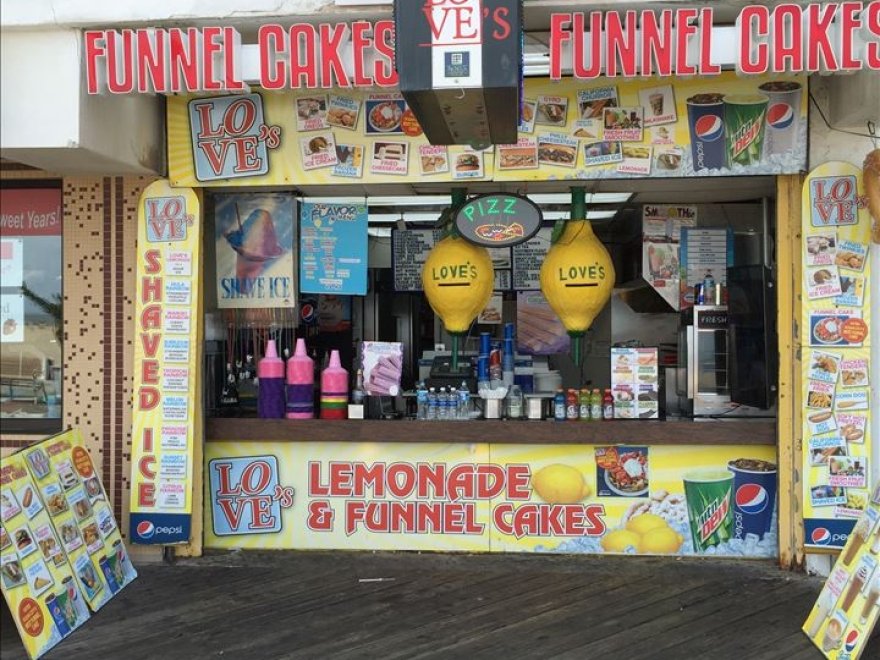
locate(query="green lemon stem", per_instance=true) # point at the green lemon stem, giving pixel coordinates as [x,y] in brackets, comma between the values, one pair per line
[576,347]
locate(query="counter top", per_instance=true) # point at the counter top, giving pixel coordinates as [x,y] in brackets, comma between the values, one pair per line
[633,432]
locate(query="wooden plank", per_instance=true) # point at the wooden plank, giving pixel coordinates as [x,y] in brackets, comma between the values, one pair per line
[740,432]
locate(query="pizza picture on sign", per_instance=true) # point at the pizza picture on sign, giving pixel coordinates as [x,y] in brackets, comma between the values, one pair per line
[500,233]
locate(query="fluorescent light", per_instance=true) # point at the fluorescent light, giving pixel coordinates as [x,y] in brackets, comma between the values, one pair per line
[410,216]
[379,232]
[443,201]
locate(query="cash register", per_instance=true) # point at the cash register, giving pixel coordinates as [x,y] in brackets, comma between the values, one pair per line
[443,375]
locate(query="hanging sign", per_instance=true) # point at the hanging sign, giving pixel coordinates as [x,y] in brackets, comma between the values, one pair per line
[498,220]
[333,249]
[167,331]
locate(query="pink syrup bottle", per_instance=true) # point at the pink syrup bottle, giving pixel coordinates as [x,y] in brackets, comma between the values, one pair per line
[300,384]
[334,390]
[270,378]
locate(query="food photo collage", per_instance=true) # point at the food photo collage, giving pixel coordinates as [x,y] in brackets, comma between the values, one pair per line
[60,546]
[836,363]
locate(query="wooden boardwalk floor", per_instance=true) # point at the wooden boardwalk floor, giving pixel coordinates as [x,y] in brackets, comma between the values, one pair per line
[314,605]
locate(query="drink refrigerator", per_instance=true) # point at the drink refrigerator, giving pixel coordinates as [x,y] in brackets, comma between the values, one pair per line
[703,388]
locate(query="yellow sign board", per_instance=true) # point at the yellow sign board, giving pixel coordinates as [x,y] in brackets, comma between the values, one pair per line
[836,356]
[168,321]
[569,130]
[843,618]
[480,498]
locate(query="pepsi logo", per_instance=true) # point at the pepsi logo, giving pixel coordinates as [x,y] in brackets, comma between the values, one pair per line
[751,499]
[820,536]
[851,641]
[780,116]
[145,529]
[709,128]
[308,313]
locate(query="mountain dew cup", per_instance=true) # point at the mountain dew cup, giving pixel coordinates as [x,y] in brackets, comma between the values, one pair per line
[708,494]
[744,116]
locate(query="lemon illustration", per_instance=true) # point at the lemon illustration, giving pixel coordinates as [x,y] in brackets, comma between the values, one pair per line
[644,523]
[560,484]
[619,540]
[458,278]
[660,541]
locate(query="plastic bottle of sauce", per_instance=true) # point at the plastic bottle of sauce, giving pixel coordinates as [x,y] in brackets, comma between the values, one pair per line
[607,406]
[584,405]
[571,406]
[300,384]
[559,405]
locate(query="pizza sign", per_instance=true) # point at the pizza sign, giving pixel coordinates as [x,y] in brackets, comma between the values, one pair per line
[498,220]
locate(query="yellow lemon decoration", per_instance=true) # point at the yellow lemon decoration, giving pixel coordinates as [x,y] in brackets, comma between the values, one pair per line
[644,523]
[560,484]
[577,276]
[458,278]
[660,541]
[619,540]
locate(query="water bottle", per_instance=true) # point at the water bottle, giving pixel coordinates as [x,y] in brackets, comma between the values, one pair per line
[465,401]
[432,404]
[421,402]
[708,288]
[442,404]
[452,404]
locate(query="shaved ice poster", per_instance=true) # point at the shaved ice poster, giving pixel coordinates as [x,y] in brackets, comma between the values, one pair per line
[254,240]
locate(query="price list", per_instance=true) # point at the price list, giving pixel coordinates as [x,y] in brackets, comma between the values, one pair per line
[527,260]
[410,248]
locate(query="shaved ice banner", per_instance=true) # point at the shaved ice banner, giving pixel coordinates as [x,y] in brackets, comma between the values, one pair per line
[621,499]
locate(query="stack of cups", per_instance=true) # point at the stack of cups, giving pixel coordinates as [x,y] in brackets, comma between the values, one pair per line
[508,357]
[483,360]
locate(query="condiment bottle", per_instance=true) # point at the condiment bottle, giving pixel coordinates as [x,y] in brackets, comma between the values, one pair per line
[270,376]
[334,390]
[607,406]
[300,384]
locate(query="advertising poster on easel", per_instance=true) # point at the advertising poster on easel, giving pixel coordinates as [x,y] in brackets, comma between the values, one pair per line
[37,581]
[77,503]
[843,618]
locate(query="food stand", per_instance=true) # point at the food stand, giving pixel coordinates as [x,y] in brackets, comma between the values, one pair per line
[689,278]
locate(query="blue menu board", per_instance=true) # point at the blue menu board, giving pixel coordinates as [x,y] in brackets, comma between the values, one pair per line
[333,249]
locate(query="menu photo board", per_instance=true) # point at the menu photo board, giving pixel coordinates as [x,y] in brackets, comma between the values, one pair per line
[836,368]
[80,510]
[570,130]
[46,601]
[61,552]
[843,618]
[635,383]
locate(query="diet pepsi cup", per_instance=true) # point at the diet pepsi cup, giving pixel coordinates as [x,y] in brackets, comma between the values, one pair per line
[754,496]
[783,116]
[706,124]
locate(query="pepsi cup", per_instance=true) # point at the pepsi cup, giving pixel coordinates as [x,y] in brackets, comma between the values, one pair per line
[706,124]
[783,116]
[754,496]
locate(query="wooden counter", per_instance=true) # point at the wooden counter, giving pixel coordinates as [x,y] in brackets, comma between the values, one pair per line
[741,432]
